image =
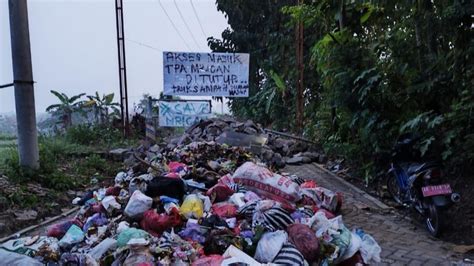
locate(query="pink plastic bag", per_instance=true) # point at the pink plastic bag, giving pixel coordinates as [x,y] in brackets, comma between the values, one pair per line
[309,184]
[210,260]
[224,209]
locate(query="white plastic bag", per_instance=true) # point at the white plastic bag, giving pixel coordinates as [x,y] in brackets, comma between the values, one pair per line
[98,251]
[369,249]
[233,255]
[353,247]
[238,199]
[269,246]
[110,203]
[138,204]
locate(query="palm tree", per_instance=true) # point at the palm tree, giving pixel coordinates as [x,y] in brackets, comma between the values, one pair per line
[102,106]
[66,107]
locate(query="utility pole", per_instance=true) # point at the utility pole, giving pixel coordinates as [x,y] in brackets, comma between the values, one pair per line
[23,82]
[300,66]
[122,66]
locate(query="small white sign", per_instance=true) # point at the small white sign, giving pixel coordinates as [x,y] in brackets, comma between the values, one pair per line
[183,113]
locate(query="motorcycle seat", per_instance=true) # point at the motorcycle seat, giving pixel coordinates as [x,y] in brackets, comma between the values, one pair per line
[415,168]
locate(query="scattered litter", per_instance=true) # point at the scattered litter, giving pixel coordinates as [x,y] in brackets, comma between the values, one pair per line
[202,199]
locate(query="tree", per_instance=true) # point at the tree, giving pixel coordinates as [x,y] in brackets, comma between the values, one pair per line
[66,107]
[102,106]
[374,69]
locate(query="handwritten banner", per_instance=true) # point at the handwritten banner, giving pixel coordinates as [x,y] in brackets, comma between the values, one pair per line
[206,74]
[183,113]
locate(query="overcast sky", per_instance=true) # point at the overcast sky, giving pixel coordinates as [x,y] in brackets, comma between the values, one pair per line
[74,45]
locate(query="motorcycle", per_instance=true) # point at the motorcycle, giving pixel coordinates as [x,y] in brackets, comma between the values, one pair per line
[419,184]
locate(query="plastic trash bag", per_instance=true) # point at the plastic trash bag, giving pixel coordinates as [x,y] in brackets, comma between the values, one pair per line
[166,186]
[98,251]
[192,207]
[235,256]
[194,232]
[58,230]
[113,191]
[305,241]
[177,167]
[271,215]
[265,183]
[224,209]
[323,198]
[139,254]
[138,204]
[77,259]
[207,202]
[130,233]
[369,249]
[110,203]
[353,247]
[333,232]
[156,224]
[289,255]
[12,258]
[97,219]
[73,236]
[269,246]
[219,192]
[210,260]
[238,199]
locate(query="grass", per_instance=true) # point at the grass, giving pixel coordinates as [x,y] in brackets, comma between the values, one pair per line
[68,161]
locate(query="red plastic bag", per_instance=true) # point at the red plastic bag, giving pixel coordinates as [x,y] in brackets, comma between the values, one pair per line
[219,192]
[224,209]
[156,224]
[309,184]
[59,230]
[210,260]
[305,241]
[113,191]
[177,167]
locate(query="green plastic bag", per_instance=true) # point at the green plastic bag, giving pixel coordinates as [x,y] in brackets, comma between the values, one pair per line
[130,233]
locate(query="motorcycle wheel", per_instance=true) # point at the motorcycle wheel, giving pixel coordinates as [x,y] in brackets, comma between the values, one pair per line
[393,188]
[433,220]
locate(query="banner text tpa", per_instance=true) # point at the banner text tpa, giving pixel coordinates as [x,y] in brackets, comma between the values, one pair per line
[206,74]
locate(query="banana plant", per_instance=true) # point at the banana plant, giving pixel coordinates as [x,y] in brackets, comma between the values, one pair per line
[66,107]
[102,107]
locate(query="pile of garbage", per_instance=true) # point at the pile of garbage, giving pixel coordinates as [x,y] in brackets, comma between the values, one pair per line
[269,147]
[203,203]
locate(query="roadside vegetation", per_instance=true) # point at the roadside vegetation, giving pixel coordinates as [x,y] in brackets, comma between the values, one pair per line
[372,71]
[73,154]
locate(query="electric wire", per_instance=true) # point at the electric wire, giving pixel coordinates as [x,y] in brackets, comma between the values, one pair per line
[186,24]
[198,19]
[174,26]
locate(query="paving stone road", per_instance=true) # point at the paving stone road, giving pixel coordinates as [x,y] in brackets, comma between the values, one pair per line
[403,241]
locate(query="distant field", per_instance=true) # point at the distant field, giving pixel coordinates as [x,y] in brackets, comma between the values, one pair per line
[6,142]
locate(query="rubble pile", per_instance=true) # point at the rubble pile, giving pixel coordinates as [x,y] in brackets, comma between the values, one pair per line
[270,148]
[200,203]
